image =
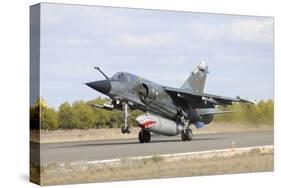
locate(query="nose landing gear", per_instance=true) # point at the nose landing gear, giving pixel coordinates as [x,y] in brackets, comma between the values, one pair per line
[126,128]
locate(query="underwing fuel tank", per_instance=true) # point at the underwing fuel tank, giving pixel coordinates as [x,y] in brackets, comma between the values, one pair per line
[159,125]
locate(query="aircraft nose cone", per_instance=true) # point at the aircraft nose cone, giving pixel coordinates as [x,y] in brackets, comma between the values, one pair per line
[102,86]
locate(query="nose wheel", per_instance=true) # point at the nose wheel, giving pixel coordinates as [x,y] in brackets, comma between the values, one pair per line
[186,134]
[126,128]
[144,136]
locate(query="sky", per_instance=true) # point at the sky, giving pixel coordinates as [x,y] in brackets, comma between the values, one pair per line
[161,46]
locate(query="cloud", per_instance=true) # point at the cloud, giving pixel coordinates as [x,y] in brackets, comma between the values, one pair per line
[206,32]
[234,30]
[52,20]
[133,40]
[77,42]
[260,31]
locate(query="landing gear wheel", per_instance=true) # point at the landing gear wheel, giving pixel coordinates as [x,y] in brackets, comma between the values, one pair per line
[144,136]
[147,136]
[127,129]
[123,129]
[141,139]
[186,135]
[183,136]
[189,134]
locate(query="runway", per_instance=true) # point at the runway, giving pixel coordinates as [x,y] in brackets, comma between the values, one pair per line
[111,149]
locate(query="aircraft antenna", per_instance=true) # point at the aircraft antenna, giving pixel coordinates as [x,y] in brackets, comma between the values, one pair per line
[97,68]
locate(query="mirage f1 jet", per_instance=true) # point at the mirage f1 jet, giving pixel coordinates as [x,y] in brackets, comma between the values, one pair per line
[168,111]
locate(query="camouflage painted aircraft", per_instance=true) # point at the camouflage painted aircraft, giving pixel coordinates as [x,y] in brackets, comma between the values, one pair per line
[168,111]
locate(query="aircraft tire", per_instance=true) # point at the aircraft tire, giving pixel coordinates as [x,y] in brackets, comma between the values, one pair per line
[144,136]
[147,136]
[128,130]
[189,134]
[141,137]
[183,136]
[123,130]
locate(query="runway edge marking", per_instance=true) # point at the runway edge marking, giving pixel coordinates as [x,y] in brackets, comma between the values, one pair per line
[204,154]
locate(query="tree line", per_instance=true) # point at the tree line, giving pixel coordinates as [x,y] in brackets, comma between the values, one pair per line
[78,115]
[81,115]
[259,113]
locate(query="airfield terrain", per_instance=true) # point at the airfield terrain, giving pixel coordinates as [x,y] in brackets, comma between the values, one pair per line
[118,148]
[72,135]
[108,160]
[244,160]
[106,155]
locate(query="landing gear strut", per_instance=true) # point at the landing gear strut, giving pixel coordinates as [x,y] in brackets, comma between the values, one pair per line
[126,128]
[186,134]
[144,136]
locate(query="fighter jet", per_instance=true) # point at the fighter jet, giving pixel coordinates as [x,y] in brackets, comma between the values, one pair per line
[167,111]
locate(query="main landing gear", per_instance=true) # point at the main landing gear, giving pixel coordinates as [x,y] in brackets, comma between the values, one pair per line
[144,136]
[186,134]
[126,128]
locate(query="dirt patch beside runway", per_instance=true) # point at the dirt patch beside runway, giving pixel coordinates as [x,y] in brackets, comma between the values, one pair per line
[115,133]
[251,160]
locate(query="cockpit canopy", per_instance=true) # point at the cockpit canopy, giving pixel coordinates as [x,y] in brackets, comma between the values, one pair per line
[124,76]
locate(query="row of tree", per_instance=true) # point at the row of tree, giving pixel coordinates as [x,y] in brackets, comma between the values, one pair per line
[81,115]
[259,113]
[78,115]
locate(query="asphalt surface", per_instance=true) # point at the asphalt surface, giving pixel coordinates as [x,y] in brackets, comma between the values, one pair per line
[112,149]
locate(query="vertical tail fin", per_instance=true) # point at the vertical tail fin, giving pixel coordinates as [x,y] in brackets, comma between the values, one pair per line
[196,81]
